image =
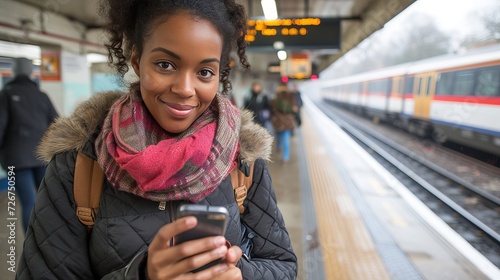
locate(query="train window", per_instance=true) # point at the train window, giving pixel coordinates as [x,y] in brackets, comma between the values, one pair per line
[418,86]
[388,85]
[371,86]
[335,89]
[428,91]
[408,85]
[400,86]
[379,86]
[444,83]
[464,84]
[488,82]
[355,88]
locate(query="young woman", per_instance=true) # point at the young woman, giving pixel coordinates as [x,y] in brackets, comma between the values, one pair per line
[172,139]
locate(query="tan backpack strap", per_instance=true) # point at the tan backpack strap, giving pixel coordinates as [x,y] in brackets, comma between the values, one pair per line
[87,185]
[241,185]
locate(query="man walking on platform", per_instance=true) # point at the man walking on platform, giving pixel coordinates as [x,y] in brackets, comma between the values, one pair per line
[25,114]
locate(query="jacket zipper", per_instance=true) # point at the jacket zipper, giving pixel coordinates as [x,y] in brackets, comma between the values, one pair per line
[172,219]
[162,205]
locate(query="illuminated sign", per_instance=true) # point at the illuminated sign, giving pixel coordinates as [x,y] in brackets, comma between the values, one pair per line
[298,67]
[274,68]
[299,33]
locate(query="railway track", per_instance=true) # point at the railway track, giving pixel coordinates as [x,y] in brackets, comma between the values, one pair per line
[468,209]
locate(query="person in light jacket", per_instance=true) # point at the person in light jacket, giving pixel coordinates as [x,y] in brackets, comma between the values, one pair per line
[283,111]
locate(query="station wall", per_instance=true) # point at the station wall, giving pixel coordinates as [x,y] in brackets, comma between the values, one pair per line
[60,39]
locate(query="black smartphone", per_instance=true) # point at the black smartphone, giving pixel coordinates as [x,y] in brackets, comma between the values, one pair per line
[212,221]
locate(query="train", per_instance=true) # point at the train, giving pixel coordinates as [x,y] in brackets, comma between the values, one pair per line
[454,97]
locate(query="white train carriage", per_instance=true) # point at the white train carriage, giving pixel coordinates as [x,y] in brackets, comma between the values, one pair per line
[452,97]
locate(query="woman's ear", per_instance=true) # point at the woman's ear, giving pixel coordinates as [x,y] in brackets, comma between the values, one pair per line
[134,60]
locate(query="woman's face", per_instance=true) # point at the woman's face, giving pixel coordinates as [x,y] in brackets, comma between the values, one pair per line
[178,70]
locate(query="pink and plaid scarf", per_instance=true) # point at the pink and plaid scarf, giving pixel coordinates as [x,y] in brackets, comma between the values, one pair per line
[139,157]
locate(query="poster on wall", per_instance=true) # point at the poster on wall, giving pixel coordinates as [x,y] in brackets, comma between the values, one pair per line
[76,80]
[50,70]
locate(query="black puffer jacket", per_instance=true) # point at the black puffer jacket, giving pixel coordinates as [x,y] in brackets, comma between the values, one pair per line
[58,246]
[25,114]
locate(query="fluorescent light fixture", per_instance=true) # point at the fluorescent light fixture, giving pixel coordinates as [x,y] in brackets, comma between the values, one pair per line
[282,55]
[96,58]
[12,50]
[278,45]
[269,8]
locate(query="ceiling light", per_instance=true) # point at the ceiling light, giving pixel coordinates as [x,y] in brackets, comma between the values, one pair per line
[269,8]
[96,58]
[282,55]
[278,45]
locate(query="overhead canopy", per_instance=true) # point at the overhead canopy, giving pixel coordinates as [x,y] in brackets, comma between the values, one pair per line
[345,23]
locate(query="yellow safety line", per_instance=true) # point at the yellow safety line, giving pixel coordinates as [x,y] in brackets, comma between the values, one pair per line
[348,250]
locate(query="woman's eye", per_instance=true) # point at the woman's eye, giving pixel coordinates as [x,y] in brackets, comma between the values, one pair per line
[206,73]
[165,65]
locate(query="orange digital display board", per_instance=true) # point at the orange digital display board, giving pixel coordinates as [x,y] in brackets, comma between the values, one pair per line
[296,33]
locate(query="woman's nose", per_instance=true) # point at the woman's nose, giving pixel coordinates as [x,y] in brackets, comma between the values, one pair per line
[184,85]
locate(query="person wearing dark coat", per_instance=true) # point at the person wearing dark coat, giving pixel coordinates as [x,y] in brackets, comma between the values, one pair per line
[171,139]
[25,114]
[258,103]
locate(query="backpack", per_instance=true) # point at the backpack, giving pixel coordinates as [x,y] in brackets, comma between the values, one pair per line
[89,180]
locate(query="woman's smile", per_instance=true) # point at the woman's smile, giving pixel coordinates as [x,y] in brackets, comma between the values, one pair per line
[178,110]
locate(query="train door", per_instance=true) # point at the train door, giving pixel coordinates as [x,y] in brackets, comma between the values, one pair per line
[395,96]
[424,88]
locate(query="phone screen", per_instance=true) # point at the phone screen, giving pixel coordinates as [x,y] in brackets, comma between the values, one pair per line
[212,221]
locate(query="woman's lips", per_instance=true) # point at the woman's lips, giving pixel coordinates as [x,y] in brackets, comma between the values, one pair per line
[179,110]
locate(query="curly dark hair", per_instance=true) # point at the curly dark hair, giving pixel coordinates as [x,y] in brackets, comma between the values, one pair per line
[129,23]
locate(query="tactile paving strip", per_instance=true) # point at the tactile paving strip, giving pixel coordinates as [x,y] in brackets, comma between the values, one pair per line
[347,247]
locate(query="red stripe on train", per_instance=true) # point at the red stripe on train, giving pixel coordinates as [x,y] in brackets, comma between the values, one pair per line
[495,100]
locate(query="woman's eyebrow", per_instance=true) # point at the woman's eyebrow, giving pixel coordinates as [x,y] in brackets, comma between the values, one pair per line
[208,60]
[171,53]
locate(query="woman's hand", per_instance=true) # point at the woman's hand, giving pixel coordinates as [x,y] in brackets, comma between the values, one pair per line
[166,262]
[231,259]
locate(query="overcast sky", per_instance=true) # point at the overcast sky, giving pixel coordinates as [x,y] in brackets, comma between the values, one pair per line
[450,15]
[457,18]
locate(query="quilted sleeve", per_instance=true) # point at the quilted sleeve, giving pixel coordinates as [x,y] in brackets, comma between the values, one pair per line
[56,242]
[272,256]
[55,246]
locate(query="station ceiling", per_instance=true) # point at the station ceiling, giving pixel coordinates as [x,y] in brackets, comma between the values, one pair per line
[359,19]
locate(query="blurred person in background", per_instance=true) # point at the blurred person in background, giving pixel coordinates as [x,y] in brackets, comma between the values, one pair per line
[283,110]
[25,114]
[258,103]
[298,101]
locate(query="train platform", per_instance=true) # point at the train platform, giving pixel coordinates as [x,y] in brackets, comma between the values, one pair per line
[359,222]
[347,216]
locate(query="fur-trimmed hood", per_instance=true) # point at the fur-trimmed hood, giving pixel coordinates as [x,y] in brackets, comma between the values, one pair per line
[73,132]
